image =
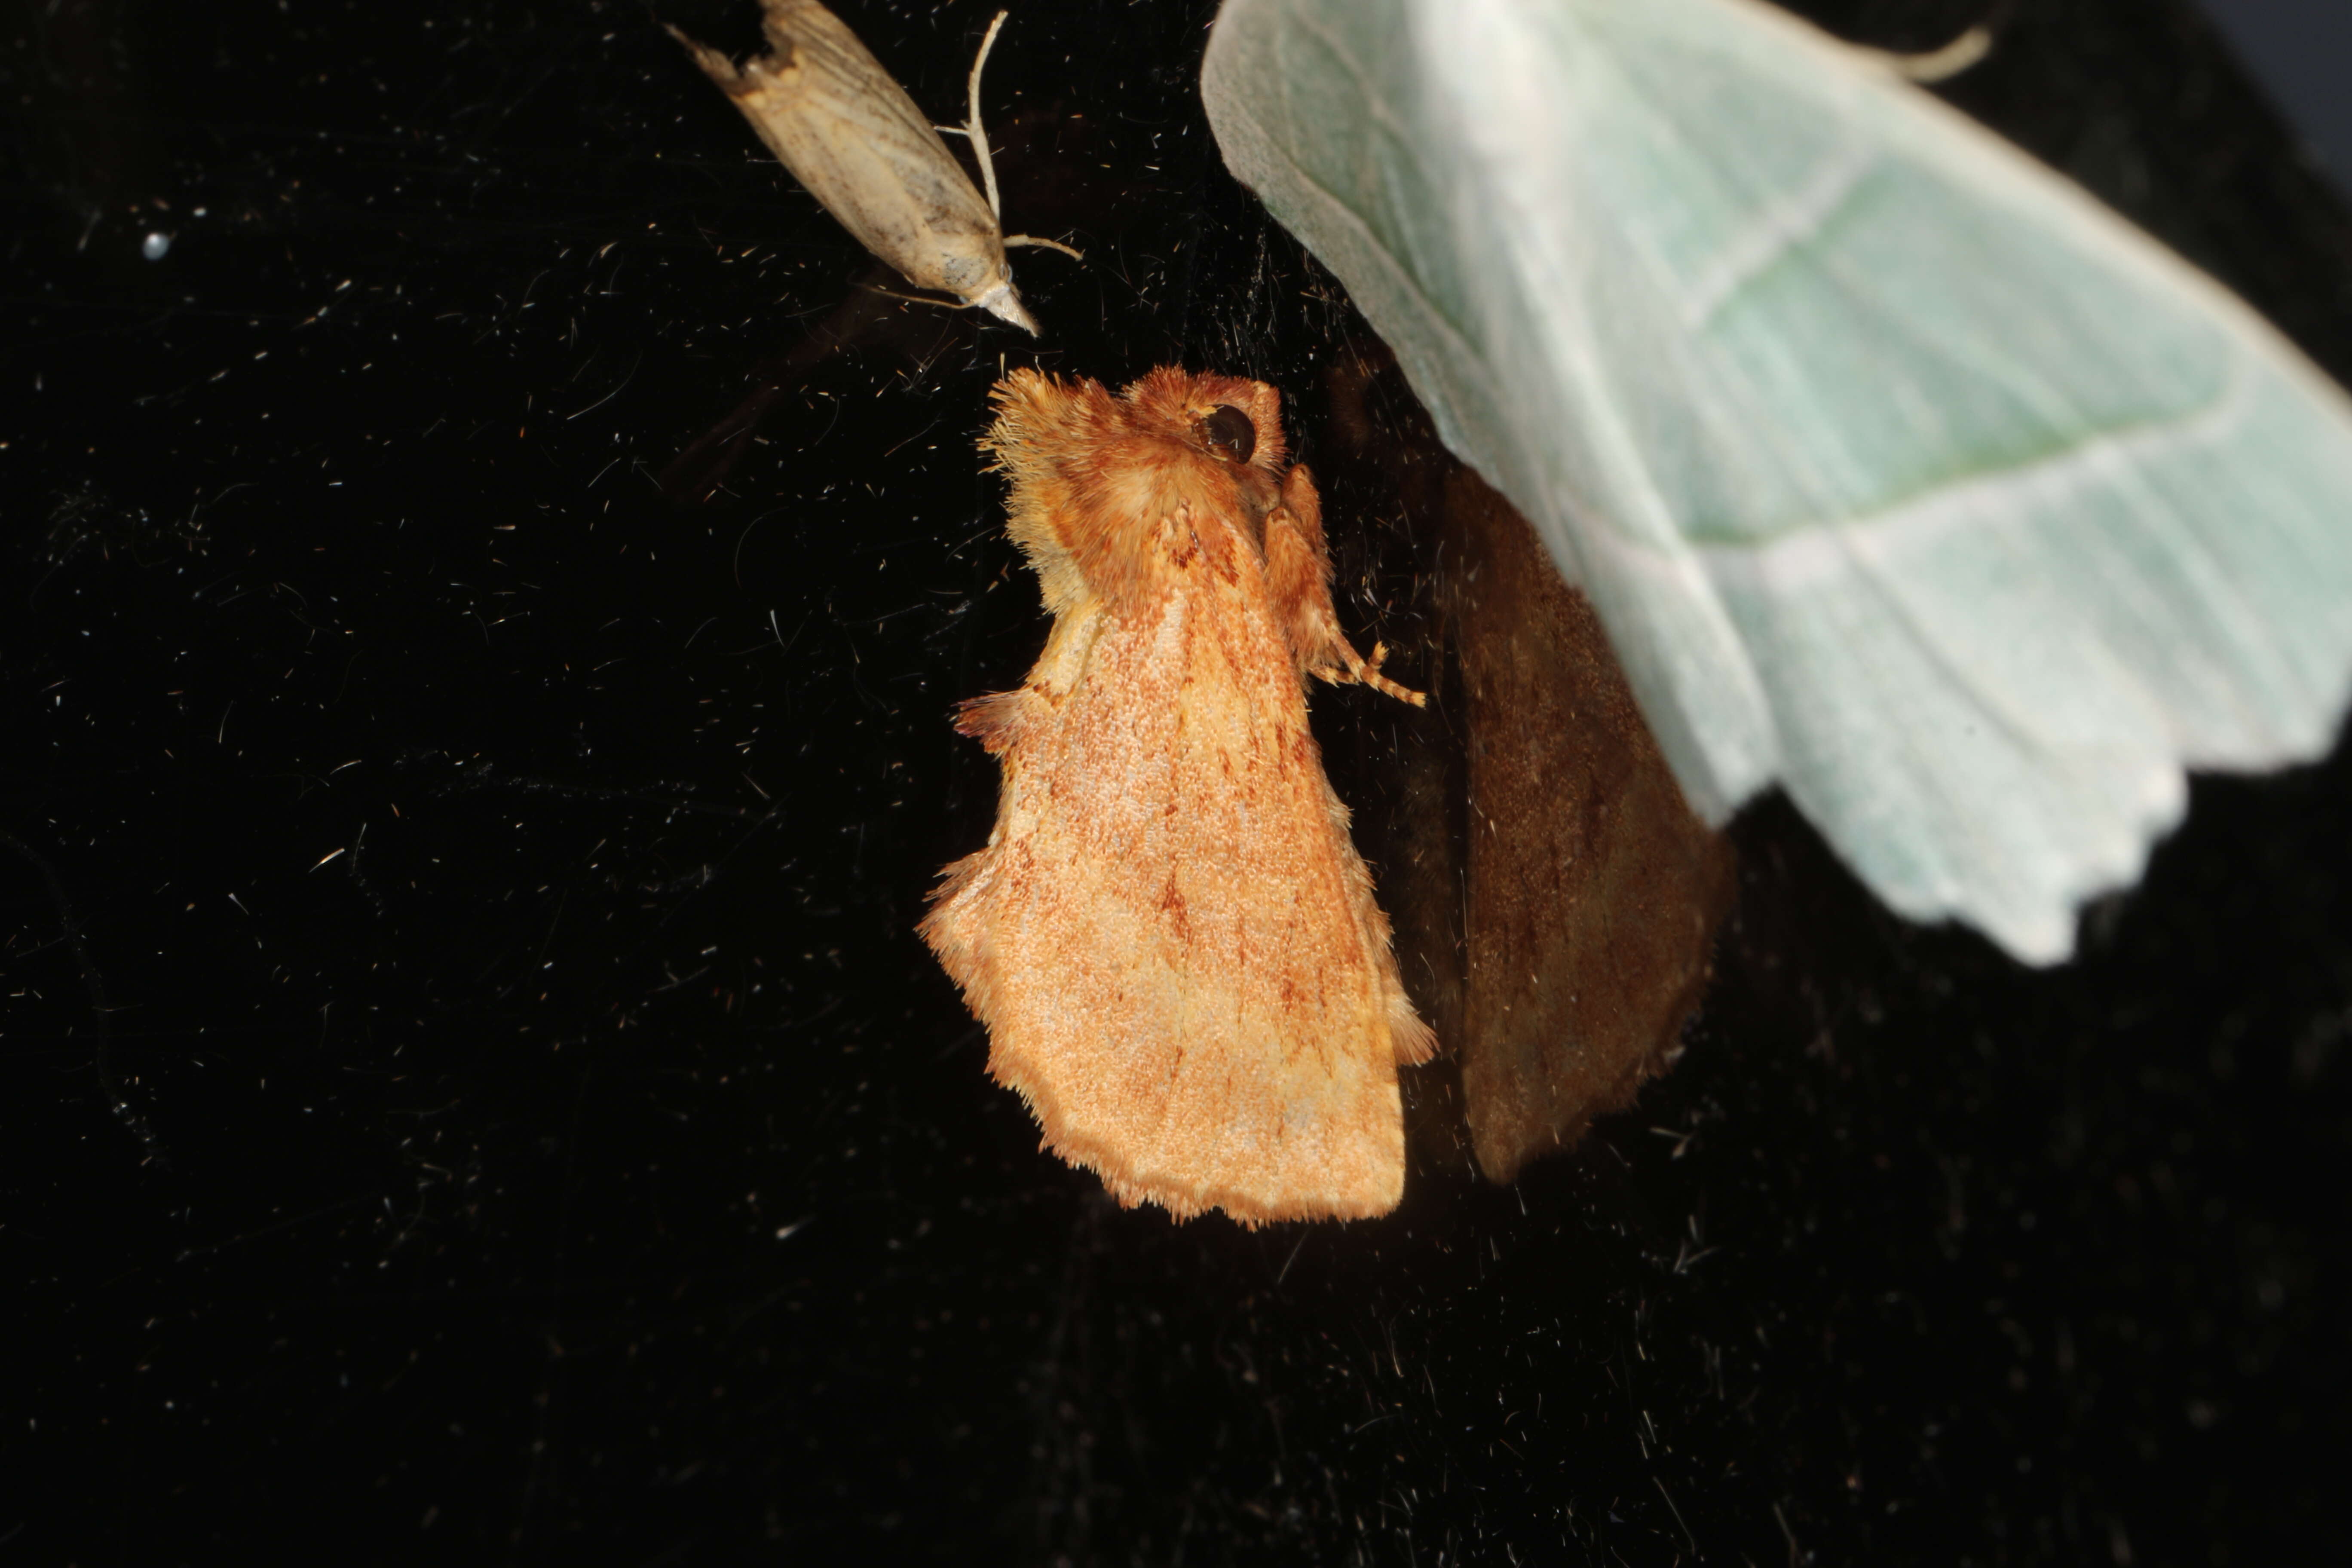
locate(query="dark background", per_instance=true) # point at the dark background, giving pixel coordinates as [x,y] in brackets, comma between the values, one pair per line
[2302,51]
[472,1089]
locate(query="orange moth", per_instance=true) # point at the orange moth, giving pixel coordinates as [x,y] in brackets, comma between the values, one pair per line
[848,132]
[1169,936]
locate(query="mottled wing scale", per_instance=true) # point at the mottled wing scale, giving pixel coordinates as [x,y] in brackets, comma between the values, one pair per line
[1171,937]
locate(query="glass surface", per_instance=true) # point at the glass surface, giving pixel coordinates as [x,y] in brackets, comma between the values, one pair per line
[493,578]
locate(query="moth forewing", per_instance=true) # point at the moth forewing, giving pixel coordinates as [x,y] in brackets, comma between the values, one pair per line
[1169,935]
[847,130]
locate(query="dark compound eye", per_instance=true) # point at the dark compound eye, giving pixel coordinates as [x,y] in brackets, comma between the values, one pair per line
[1229,430]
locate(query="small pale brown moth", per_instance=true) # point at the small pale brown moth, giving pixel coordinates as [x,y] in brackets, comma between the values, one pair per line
[848,132]
[1170,935]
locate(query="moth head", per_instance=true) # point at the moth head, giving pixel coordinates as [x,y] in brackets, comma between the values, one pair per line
[1228,432]
[1231,421]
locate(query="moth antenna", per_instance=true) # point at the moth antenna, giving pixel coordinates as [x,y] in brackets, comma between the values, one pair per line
[971,131]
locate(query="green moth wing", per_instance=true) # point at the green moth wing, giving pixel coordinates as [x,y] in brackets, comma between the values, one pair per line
[1901,471]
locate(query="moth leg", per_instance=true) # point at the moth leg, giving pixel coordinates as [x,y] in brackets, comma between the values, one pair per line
[1298,580]
[949,302]
[1012,240]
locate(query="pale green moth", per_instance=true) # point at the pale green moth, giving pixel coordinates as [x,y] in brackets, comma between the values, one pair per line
[1900,470]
